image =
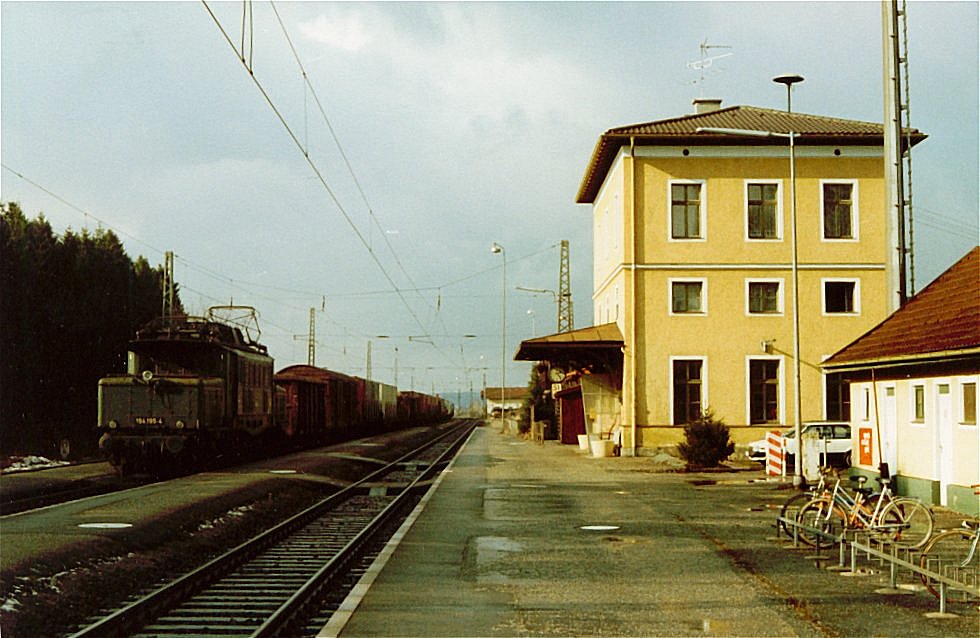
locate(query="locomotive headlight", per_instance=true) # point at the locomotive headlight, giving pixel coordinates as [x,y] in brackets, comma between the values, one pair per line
[113,424]
[180,424]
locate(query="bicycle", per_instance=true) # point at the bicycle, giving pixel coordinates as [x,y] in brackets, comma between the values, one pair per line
[904,521]
[953,554]
[791,506]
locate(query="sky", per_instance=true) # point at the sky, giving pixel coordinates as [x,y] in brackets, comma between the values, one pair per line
[372,192]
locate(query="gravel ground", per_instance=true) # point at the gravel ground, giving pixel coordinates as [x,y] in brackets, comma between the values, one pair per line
[59,588]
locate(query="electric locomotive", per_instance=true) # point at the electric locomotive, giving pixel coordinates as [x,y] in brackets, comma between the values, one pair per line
[196,388]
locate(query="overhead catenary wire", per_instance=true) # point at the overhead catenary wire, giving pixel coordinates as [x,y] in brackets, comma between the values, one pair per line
[313,166]
[308,86]
[319,175]
[249,287]
[332,195]
[82,211]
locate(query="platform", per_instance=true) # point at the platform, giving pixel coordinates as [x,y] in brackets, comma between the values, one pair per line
[522,538]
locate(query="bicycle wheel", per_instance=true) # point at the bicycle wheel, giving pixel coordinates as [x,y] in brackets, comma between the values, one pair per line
[944,554]
[821,514]
[791,508]
[907,522]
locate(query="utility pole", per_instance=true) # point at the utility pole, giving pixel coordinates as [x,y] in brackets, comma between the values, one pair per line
[566,316]
[168,288]
[367,367]
[898,160]
[311,342]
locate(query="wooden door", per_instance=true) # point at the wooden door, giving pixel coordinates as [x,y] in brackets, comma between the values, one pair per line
[572,416]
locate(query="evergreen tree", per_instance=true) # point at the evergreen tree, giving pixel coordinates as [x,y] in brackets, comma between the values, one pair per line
[68,308]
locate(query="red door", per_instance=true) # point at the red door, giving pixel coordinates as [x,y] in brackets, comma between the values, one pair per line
[572,416]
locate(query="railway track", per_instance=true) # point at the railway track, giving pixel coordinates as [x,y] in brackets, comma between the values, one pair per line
[292,576]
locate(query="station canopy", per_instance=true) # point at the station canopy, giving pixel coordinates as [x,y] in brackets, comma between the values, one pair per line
[596,348]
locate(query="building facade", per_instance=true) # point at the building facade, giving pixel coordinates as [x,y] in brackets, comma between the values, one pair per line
[510,400]
[913,384]
[694,261]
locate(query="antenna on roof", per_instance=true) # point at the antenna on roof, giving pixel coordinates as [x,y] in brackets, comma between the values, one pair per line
[706,61]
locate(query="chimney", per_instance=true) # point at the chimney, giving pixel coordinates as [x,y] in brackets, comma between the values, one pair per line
[706,105]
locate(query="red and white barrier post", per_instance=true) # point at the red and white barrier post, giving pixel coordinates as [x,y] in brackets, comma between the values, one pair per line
[775,454]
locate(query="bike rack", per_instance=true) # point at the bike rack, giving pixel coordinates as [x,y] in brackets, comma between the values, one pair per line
[895,562]
[821,534]
[879,549]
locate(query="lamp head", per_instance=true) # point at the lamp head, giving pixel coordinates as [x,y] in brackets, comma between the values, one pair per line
[496,248]
[788,79]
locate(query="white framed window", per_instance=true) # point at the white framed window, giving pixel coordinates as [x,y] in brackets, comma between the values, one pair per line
[764,297]
[687,296]
[686,210]
[840,296]
[968,402]
[688,388]
[763,210]
[765,394]
[839,209]
[917,403]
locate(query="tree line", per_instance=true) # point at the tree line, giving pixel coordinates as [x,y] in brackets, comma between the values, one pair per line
[69,305]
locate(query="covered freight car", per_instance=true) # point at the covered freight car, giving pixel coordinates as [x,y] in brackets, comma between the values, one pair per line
[379,405]
[321,405]
[415,408]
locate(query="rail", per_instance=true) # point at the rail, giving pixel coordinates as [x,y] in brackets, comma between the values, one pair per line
[145,611]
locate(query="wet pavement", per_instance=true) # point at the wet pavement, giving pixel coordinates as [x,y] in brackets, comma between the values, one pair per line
[525,539]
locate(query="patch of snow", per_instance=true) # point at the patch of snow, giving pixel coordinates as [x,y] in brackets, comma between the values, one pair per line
[26,463]
[214,522]
[10,604]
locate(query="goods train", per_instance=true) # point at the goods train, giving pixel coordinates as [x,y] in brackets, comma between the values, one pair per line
[197,389]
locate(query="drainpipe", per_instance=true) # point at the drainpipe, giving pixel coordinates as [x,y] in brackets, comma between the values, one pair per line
[632,347]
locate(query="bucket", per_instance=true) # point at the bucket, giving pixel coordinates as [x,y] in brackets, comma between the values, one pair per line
[583,441]
[602,447]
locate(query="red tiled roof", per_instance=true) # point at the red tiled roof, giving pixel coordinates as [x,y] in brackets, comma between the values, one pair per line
[943,319]
[811,130]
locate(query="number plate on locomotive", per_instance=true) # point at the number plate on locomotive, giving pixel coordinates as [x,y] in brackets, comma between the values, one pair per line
[149,420]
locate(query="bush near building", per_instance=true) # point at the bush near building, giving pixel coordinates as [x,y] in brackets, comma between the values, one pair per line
[706,442]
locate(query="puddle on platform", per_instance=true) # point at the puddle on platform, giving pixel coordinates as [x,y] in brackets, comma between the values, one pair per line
[493,548]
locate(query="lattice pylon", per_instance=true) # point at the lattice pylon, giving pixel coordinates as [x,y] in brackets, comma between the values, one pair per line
[566,316]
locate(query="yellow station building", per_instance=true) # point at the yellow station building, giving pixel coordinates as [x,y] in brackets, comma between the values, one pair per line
[693,267]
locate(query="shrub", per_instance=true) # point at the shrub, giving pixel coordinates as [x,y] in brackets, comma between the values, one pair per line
[706,442]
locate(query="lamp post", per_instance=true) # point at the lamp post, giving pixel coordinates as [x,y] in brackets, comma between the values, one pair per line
[554,297]
[789,81]
[496,248]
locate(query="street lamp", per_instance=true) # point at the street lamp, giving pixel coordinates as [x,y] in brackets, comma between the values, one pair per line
[530,313]
[496,248]
[554,297]
[789,80]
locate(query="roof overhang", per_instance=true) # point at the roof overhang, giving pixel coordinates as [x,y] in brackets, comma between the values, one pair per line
[809,130]
[947,356]
[592,348]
